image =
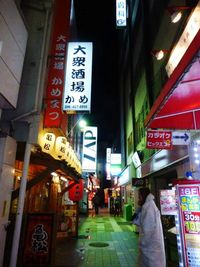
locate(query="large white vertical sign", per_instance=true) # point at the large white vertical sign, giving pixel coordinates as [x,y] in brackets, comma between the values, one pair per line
[108,163]
[77,89]
[89,149]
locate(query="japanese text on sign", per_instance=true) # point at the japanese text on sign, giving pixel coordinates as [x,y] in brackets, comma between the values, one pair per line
[77,93]
[53,116]
[159,139]
[188,197]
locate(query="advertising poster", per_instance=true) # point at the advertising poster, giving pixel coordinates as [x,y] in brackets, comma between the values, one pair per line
[38,240]
[168,202]
[189,211]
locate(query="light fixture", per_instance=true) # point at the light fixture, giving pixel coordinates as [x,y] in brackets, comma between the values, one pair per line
[176,12]
[159,54]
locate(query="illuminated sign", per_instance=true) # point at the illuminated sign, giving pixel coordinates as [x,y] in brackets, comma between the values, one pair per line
[108,163]
[189,210]
[185,40]
[115,167]
[89,149]
[136,160]
[121,13]
[124,177]
[77,89]
[159,139]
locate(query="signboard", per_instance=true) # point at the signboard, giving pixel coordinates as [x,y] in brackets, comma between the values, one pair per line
[168,202]
[115,167]
[121,13]
[124,177]
[180,138]
[136,160]
[53,115]
[108,163]
[38,240]
[89,149]
[190,31]
[77,90]
[189,213]
[159,139]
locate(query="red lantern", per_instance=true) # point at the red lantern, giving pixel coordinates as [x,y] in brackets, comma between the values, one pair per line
[76,192]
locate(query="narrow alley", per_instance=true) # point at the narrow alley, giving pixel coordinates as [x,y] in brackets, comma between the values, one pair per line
[103,241]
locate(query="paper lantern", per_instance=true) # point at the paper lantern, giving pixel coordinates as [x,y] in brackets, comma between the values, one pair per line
[48,142]
[76,192]
[60,147]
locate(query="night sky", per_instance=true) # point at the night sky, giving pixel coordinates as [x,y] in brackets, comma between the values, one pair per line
[96,23]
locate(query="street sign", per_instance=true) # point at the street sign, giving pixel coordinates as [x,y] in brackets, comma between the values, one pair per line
[180,138]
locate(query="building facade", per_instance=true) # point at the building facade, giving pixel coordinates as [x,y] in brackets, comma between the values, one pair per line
[40,163]
[147,105]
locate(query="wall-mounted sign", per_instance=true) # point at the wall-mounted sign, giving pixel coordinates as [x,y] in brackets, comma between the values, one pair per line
[89,149]
[121,13]
[190,31]
[77,90]
[159,139]
[53,115]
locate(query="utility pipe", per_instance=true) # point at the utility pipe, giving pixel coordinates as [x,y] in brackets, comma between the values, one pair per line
[20,207]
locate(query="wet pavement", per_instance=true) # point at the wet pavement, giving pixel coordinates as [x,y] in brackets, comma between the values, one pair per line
[103,241]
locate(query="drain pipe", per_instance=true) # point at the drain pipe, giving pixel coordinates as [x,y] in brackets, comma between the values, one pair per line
[20,207]
[27,155]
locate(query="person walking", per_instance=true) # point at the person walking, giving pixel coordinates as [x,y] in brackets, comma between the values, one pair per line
[151,241]
[117,206]
[96,202]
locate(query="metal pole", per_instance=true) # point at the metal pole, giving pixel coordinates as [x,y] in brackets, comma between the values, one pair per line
[20,207]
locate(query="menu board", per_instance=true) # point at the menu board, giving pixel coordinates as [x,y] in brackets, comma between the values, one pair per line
[168,202]
[189,211]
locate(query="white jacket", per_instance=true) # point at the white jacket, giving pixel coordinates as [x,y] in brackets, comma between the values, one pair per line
[151,243]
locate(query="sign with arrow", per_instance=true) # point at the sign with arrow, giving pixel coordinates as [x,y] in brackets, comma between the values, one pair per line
[180,138]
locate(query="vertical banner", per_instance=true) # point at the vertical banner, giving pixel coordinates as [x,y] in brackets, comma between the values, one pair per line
[77,92]
[53,116]
[188,196]
[89,149]
[121,13]
[38,240]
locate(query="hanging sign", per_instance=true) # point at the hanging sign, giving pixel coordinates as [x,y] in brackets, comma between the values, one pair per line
[159,139]
[89,159]
[121,13]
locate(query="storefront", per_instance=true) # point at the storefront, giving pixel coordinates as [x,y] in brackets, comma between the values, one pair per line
[177,109]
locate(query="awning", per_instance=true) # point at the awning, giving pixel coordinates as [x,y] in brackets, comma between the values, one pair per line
[178,105]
